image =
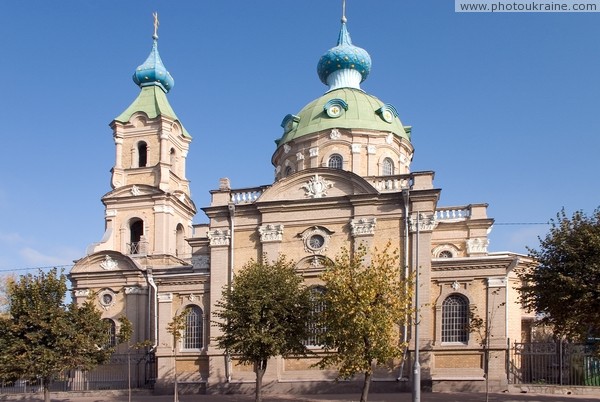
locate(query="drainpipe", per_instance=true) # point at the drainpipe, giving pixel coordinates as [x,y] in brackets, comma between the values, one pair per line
[231,208]
[406,198]
[155,289]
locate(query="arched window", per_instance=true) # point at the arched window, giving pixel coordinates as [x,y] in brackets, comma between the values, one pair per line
[316,328]
[455,319]
[112,333]
[192,337]
[387,167]
[173,160]
[336,161]
[136,231]
[180,240]
[142,149]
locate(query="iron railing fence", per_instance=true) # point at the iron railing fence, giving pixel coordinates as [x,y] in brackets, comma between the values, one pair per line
[554,363]
[139,368]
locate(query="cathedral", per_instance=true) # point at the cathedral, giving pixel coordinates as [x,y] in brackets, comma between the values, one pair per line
[342,178]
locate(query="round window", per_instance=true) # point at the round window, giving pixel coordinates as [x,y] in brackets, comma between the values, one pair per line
[316,241]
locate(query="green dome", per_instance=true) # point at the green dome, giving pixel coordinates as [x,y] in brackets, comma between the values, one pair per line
[363,112]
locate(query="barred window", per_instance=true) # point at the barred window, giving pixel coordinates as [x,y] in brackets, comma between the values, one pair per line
[387,167]
[315,326]
[192,338]
[112,333]
[455,319]
[336,161]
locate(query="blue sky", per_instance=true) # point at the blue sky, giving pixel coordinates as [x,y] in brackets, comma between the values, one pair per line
[504,107]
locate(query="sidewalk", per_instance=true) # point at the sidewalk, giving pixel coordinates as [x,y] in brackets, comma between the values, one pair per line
[375,397]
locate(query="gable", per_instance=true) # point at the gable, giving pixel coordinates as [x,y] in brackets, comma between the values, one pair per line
[317,183]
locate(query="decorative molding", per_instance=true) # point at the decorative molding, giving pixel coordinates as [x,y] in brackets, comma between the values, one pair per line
[109,264]
[312,152]
[201,261]
[165,297]
[286,148]
[477,246]
[300,156]
[110,213]
[335,134]
[356,148]
[107,299]
[316,239]
[427,222]
[317,187]
[135,191]
[389,139]
[192,297]
[363,226]
[455,285]
[371,149]
[271,233]
[81,292]
[219,237]
[449,248]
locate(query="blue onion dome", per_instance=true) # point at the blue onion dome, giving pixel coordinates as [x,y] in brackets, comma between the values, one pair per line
[345,65]
[153,71]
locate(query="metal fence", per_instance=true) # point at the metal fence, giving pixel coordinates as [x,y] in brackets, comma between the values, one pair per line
[556,363]
[121,372]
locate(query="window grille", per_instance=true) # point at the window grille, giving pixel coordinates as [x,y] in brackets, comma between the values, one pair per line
[193,329]
[387,167]
[112,333]
[336,161]
[315,327]
[455,319]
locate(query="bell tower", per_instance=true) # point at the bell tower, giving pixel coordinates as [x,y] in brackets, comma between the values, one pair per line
[149,210]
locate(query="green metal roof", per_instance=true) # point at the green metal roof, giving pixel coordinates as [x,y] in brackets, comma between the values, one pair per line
[362,113]
[153,101]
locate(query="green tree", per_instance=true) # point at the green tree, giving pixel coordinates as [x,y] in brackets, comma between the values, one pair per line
[176,328]
[264,315]
[43,336]
[564,286]
[366,302]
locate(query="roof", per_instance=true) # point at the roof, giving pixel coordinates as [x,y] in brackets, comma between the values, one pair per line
[152,101]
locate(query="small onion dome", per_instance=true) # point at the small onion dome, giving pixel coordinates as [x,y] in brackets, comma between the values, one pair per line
[153,71]
[345,65]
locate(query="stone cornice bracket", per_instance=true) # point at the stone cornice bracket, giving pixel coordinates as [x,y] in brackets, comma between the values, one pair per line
[81,292]
[477,246]
[427,222]
[363,226]
[271,233]
[219,238]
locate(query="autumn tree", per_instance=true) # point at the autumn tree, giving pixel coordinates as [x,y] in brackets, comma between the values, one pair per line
[367,301]
[564,286]
[5,280]
[43,336]
[264,315]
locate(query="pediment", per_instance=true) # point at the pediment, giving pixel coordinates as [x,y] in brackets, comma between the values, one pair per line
[105,261]
[317,183]
[133,190]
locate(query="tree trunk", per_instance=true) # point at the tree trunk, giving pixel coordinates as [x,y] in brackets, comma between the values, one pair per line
[259,367]
[365,390]
[46,386]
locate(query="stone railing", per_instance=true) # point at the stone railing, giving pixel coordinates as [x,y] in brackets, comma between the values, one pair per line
[246,195]
[386,184]
[453,213]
